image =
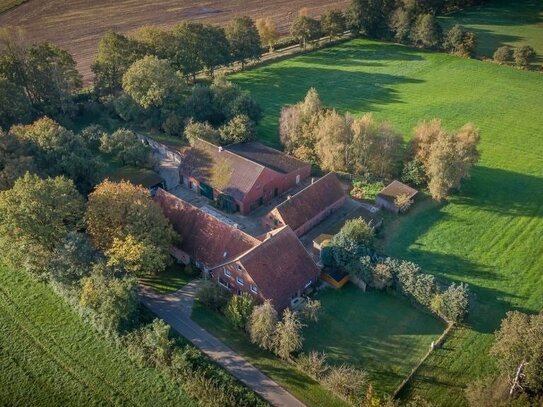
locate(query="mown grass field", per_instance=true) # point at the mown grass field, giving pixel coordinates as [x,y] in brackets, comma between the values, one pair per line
[50,357]
[503,22]
[489,235]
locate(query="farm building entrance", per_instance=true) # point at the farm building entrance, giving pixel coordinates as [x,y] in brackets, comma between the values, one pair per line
[206,190]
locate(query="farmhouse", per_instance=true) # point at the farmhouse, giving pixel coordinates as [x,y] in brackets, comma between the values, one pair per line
[308,207]
[240,177]
[387,197]
[274,266]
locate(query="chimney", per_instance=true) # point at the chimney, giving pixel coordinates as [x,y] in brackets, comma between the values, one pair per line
[288,197]
[220,149]
[312,180]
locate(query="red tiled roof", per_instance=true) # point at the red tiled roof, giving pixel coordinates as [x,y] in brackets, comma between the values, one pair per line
[280,266]
[223,170]
[396,188]
[204,237]
[310,201]
[268,157]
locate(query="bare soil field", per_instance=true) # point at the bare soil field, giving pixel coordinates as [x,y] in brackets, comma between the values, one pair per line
[77,25]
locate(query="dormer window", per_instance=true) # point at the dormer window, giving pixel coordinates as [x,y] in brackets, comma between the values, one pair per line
[254,288]
[239,267]
[239,280]
[227,272]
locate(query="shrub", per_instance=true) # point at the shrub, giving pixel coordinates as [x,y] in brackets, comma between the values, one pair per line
[262,324]
[314,364]
[212,296]
[403,202]
[195,130]
[454,302]
[310,310]
[151,344]
[238,130]
[368,190]
[502,55]
[524,56]
[239,309]
[413,173]
[347,382]
[382,276]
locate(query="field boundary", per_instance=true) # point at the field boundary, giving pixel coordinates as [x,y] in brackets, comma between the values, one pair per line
[437,344]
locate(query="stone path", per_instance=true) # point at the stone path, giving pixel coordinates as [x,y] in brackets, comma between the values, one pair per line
[176,309]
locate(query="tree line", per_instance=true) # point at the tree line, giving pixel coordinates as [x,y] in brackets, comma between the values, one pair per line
[370,149]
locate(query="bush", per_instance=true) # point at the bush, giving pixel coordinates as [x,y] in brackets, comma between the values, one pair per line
[212,296]
[414,174]
[288,335]
[403,202]
[314,364]
[382,276]
[347,382]
[151,344]
[453,303]
[238,130]
[239,309]
[524,56]
[310,310]
[502,55]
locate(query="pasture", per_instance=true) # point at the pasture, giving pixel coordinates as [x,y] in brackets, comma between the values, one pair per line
[77,25]
[489,234]
[502,22]
[49,356]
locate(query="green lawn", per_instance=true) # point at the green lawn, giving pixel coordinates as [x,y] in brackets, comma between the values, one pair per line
[378,332]
[170,280]
[49,356]
[303,387]
[503,22]
[490,234]
[381,333]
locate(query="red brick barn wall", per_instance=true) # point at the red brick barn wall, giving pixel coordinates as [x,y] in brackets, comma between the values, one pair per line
[288,181]
[263,188]
[271,221]
[235,286]
[310,224]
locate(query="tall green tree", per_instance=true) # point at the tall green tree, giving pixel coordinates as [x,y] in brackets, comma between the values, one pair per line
[152,82]
[35,215]
[243,39]
[116,53]
[333,23]
[366,16]
[15,160]
[58,151]
[305,29]
[15,106]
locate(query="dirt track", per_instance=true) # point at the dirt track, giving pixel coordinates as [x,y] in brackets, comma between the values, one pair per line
[77,25]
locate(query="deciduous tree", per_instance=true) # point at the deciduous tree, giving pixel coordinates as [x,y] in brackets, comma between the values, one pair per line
[427,32]
[243,39]
[267,31]
[125,146]
[118,210]
[305,29]
[262,324]
[238,130]
[333,23]
[288,335]
[35,215]
[239,309]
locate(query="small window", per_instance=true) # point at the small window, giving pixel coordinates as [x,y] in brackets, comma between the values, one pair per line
[239,280]
[227,272]
[239,267]
[297,179]
[254,288]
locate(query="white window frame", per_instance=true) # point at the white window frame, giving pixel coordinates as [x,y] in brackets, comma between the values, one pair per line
[254,289]
[308,284]
[227,272]
[240,281]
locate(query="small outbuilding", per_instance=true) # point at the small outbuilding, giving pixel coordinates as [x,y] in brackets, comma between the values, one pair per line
[387,197]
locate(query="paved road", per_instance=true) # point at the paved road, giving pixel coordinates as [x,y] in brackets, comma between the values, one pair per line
[176,309]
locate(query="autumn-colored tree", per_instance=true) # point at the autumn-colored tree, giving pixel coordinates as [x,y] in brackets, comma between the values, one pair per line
[267,31]
[427,31]
[424,135]
[35,215]
[333,23]
[122,220]
[305,29]
[333,139]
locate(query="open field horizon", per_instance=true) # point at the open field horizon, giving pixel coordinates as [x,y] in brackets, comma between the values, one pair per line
[77,25]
